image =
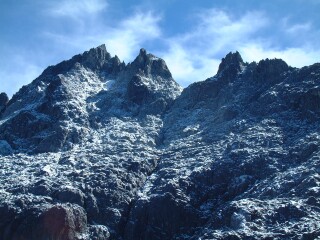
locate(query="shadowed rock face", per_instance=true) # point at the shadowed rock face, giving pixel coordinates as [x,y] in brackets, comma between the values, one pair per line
[231,65]
[157,94]
[231,61]
[270,69]
[97,149]
[3,101]
[65,222]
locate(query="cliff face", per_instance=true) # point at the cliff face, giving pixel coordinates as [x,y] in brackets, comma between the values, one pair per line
[97,149]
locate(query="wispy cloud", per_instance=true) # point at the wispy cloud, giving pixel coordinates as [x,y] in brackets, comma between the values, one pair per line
[19,71]
[132,33]
[76,8]
[297,28]
[73,26]
[297,57]
[196,55]
[123,38]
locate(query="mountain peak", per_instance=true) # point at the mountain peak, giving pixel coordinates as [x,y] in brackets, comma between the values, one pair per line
[232,61]
[144,58]
[142,52]
[96,57]
[102,47]
[148,64]
[151,81]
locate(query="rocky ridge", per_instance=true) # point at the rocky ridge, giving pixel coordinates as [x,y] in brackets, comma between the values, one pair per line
[98,149]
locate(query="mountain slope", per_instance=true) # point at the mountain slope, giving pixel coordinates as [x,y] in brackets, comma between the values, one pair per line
[234,148]
[97,149]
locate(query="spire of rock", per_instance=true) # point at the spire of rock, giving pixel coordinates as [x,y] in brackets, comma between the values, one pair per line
[151,82]
[148,64]
[96,57]
[230,66]
[231,62]
[143,52]
[3,100]
[142,59]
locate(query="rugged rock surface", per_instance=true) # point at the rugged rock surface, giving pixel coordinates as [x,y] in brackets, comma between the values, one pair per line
[96,149]
[3,101]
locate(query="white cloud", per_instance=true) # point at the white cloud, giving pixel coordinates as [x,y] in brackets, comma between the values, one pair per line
[19,71]
[192,56]
[123,39]
[297,57]
[129,36]
[195,55]
[76,8]
[299,28]
[187,67]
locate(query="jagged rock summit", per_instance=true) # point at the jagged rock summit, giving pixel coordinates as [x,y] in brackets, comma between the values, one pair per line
[55,111]
[98,149]
[232,62]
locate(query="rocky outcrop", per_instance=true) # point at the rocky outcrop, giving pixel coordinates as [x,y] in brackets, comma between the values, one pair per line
[3,99]
[53,222]
[154,95]
[3,102]
[231,65]
[270,69]
[96,149]
[96,59]
[149,64]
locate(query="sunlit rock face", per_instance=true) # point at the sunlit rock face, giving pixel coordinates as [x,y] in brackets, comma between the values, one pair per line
[98,149]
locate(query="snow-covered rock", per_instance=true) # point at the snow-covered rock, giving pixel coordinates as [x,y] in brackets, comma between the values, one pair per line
[105,150]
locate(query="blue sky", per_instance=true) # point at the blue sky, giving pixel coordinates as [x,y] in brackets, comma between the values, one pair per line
[191,36]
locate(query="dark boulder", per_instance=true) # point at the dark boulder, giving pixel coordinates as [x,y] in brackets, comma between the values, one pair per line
[161,212]
[71,195]
[65,222]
